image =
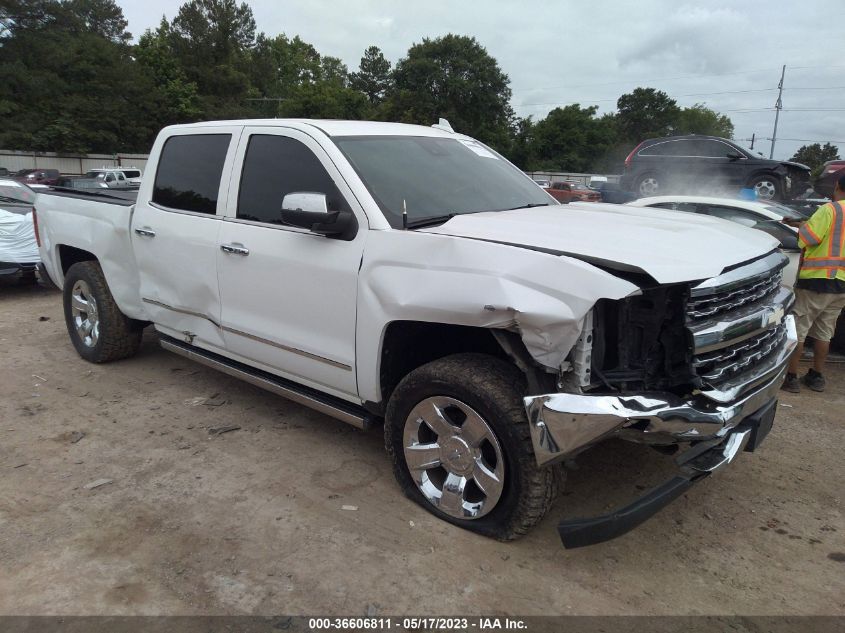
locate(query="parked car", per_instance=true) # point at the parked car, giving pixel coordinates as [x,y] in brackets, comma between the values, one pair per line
[831,171]
[37,176]
[612,192]
[570,191]
[4,171]
[545,184]
[771,218]
[709,164]
[493,335]
[18,250]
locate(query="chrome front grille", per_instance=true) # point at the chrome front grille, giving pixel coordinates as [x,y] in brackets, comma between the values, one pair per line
[737,324]
[699,308]
[732,360]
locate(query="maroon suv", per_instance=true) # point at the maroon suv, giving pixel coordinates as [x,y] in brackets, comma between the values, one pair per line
[826,181]
[38,176]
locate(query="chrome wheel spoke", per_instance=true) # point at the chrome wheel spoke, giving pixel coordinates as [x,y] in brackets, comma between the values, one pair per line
[474,430]
[452,496]
[78,303]
[488,481]
[433,416]
[422,456]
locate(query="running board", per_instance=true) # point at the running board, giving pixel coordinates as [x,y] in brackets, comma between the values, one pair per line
[329,405]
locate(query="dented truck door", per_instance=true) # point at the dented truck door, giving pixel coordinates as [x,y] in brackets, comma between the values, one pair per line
[174,233]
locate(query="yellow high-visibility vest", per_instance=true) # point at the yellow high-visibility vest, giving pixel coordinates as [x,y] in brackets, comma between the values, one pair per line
[823,239]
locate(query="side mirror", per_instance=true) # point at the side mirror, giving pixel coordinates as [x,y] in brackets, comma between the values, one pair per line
[309,210]
[734,155]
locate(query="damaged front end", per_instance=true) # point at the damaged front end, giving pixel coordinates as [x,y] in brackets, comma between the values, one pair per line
[697,364]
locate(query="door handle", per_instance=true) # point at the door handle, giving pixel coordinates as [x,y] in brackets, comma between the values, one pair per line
[234,249]
[145,232]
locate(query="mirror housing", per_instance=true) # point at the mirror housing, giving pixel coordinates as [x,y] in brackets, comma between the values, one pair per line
[735,155]
[310,210]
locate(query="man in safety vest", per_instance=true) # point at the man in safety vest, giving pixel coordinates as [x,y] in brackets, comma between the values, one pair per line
[820,289]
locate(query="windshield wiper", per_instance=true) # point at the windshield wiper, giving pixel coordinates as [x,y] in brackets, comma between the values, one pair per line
[429,221]
[530,205]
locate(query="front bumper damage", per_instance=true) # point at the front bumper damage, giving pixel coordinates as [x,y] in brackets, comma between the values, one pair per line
[562,425]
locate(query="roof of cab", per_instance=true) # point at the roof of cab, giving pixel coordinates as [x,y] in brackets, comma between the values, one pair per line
[331,127]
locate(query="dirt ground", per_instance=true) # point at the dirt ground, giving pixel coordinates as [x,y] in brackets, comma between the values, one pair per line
[252,521]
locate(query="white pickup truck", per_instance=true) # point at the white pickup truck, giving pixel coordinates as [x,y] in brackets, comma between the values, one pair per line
[410,275]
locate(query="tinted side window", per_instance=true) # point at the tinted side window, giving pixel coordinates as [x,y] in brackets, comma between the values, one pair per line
[712,149]
[667,148]
[275,166]
[189,172]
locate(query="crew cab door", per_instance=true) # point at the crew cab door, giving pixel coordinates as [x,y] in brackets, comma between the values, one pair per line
[175,230]
[289,295]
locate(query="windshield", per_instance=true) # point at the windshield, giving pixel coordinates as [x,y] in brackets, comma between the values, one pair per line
[433,177]
[578,186]
[15,192]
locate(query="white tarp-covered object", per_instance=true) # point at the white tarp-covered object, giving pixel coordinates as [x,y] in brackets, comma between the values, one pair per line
[17,238]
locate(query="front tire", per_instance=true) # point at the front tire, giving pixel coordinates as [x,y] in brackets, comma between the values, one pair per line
[99,331]
[767,187]
[458,437]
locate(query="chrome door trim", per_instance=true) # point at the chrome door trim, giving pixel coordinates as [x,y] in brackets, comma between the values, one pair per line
[259,339]
[287,348]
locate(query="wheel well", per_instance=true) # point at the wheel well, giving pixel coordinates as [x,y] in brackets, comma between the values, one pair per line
[68,256]
[410,344]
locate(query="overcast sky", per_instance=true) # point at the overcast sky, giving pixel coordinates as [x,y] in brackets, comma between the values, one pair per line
[557,53]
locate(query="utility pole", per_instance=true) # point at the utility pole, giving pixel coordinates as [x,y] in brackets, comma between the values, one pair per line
[752,139]
[778,107]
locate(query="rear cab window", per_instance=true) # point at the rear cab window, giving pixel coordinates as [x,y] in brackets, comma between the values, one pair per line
[189,172]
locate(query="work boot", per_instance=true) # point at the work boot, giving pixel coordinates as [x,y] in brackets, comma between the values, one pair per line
[814,380]
[791,384]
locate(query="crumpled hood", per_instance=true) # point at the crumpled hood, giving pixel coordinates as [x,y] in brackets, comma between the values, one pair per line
[671,246]
[799,166]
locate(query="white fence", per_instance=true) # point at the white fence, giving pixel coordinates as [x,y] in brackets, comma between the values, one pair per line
[68,163]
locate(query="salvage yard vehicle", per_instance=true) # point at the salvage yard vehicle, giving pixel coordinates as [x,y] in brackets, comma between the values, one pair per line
[411,275]
[711,164]
[116,176]
[769,217]
[570,191]
[19,256]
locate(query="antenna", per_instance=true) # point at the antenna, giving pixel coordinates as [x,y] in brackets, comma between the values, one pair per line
[404,215]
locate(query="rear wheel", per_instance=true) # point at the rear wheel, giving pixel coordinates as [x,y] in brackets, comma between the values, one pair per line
[649,185]
[458,436]
[767,187]
[100,332]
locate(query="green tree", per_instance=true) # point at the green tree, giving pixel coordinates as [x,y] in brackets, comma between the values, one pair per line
[453,77]
[67,80]
[646,113]
[177,99]
[699,119]
[373,76]
[212,41]
[816,155]
[571,138]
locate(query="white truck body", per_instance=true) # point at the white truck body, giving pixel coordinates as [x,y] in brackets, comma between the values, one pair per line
[315,311]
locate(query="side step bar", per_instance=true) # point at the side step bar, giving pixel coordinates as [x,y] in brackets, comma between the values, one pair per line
[329,405]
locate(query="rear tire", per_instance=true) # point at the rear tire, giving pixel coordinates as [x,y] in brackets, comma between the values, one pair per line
[649,184]
[100,332]
[479,440]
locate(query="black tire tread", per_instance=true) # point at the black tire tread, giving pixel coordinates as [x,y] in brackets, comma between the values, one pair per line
[504,385]
[120,336]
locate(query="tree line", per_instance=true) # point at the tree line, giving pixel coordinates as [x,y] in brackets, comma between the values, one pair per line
[72,80]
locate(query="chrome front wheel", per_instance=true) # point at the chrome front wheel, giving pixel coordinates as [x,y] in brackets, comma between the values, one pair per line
[83,308]
[454,457]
